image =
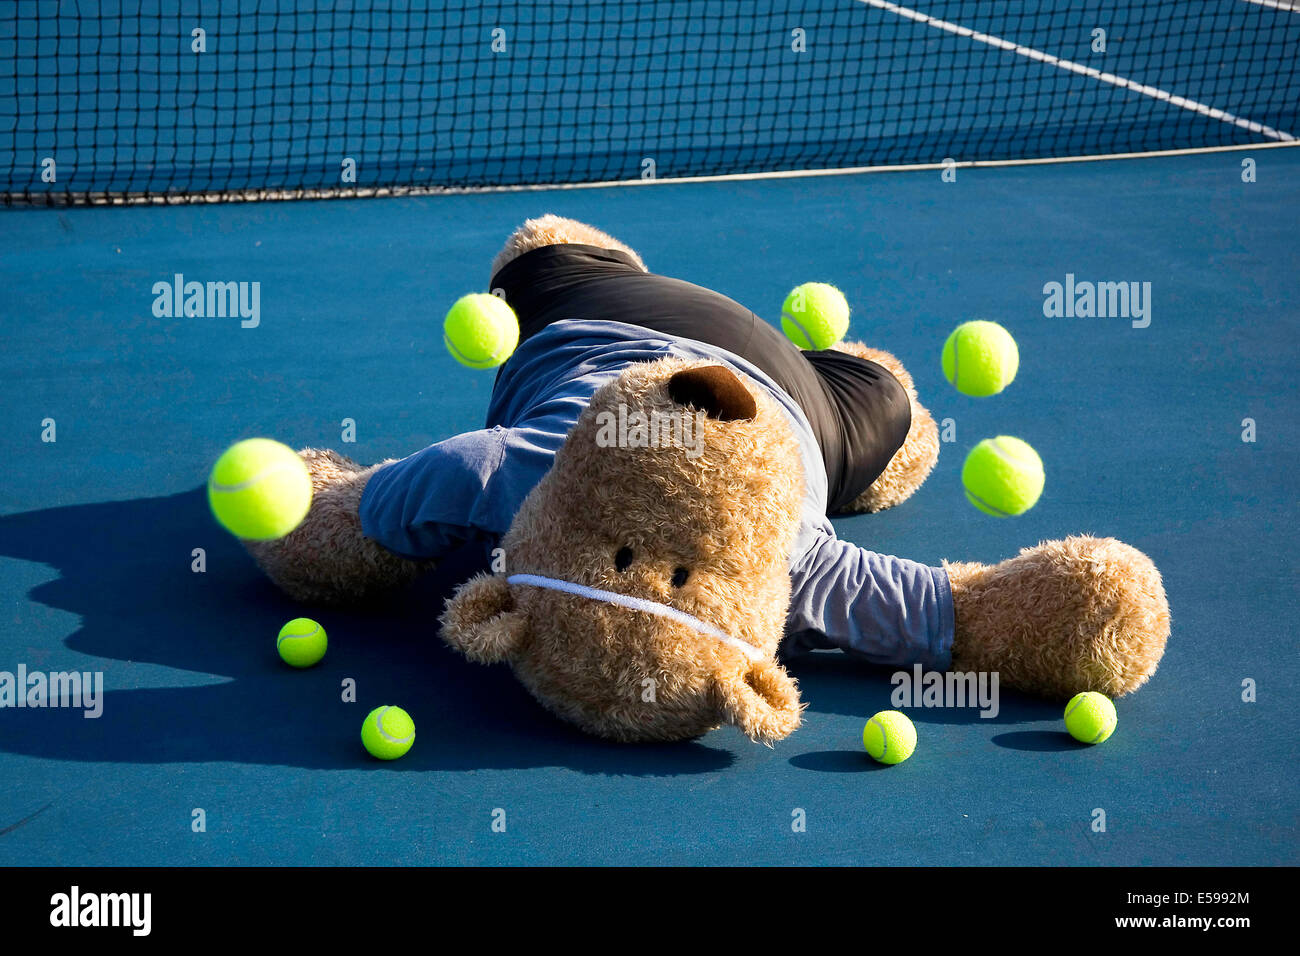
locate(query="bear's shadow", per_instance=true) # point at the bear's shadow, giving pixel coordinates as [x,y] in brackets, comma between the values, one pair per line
[125,570]
[833,683]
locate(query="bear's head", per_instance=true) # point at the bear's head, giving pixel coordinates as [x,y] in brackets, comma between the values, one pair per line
[646,577]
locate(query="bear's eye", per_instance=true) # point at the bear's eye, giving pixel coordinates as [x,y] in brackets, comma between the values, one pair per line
[679,577]
[623,559]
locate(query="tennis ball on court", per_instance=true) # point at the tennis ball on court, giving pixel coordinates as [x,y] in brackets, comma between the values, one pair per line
[815,315]
[1090,717]
[1003,476]
[480,331]
[889,737]
[980,358]
[259,489]
[301,642]
[388,732]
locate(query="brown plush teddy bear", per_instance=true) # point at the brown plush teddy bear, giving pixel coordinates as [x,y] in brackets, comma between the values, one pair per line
[655,478]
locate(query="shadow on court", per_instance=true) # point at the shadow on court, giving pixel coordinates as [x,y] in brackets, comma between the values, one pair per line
[125,570]
[1039,741]
[837,761]
[834,683]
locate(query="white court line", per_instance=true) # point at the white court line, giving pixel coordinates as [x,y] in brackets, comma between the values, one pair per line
[1111,78]
[1288,5]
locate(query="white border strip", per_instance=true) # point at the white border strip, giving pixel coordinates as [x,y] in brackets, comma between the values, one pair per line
[94,199]
[1287,5]
[84,198]
[1070,65]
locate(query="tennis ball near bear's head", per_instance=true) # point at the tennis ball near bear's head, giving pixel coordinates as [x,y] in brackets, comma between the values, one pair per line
[480,330]
[980,358]
[388,732]
[815,315]
[259,489]
[889,737]
[1003,476]
[1090,717]
[301,642]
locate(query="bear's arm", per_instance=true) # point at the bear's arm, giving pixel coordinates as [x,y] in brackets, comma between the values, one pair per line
[887,610]
[463,489]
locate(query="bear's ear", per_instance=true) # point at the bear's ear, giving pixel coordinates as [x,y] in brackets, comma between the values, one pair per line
[714,390]
[480,620]
[763,701]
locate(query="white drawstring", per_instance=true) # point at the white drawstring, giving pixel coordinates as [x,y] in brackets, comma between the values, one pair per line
[636,604]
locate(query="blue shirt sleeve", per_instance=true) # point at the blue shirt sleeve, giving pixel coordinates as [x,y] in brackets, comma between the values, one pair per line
[884,609]
[464,489]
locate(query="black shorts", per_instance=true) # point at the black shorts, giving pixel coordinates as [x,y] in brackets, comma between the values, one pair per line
[859,412]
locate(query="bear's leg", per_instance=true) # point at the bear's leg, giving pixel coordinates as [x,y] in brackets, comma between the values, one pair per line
[912,463]
[1062,617]
[552,230]
[327,559]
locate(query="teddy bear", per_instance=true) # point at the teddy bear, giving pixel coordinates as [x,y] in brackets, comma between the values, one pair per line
[653,486]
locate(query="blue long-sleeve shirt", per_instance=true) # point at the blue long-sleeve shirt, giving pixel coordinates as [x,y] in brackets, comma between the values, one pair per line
[469,487]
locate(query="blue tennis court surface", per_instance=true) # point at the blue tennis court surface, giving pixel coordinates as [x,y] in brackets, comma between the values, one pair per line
[1141,430]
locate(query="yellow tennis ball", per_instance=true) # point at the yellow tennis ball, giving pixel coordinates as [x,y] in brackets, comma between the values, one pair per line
[889,737]
[301,642]
[980,358]
[815,315]
[388,732]
[480,330]
[259,489]
[1090,717]
[1003,476]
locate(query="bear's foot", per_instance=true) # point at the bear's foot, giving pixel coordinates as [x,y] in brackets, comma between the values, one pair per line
[553,230]
[1063,617]
[327,559]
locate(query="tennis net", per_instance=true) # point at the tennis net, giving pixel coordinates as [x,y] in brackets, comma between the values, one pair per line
[208,99]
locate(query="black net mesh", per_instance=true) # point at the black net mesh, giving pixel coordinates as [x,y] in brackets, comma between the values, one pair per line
[114,99]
